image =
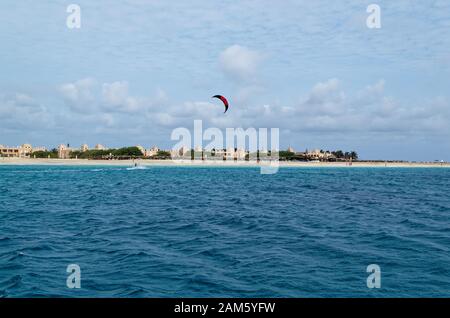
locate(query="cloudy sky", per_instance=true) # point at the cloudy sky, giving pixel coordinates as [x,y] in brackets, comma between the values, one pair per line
[137,69]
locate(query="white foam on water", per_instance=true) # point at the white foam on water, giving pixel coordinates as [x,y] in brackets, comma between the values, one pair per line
[137,168]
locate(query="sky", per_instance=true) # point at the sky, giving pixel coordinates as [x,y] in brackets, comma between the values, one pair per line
[137,69]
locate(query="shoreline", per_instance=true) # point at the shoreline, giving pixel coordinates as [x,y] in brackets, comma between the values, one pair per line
[218,163]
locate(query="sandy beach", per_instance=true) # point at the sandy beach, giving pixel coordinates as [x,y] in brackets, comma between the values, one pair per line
[149,162]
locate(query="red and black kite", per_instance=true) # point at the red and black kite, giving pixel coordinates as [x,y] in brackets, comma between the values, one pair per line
[224,101]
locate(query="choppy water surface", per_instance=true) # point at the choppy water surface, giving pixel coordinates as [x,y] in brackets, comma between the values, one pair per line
[174,231]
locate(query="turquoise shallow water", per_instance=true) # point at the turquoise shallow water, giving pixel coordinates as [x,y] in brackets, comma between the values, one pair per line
[197,232]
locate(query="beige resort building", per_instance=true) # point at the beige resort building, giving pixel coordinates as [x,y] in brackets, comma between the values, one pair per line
[320,155]
[64,150]
[217,154]
[23,151]
[148,152]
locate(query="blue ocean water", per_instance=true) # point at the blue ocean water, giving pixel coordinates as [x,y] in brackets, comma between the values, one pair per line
[204,232]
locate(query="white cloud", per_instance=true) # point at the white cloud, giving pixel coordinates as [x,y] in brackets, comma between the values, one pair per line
[240,62]
[329,108]
[115,93]
[115,97]
[79,95]
[325,98]
[85,96]
[21,111]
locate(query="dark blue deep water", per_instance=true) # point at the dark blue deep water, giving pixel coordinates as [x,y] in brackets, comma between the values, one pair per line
[175,231]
